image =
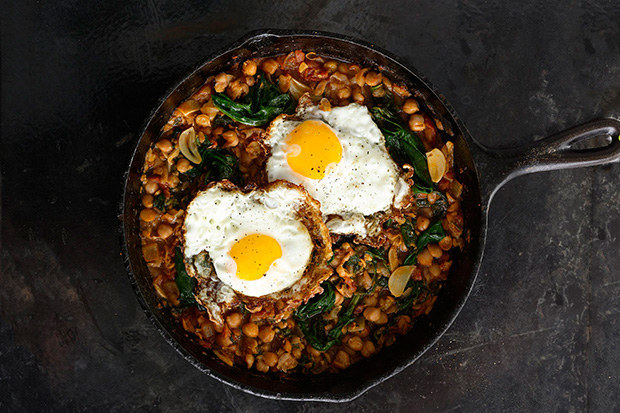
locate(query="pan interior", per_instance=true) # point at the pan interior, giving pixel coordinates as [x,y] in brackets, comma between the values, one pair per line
[426,330]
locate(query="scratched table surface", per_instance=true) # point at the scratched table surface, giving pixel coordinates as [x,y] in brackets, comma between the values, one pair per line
[541,329]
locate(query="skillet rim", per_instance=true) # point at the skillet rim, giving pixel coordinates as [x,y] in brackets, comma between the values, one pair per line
[436,334]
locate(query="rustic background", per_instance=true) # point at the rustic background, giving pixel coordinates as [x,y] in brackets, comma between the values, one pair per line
[541,330]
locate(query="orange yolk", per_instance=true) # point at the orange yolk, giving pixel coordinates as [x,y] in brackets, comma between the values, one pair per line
[254,254]
[311,148]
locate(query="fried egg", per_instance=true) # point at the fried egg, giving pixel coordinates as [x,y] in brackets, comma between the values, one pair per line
[340,158]
[252,246]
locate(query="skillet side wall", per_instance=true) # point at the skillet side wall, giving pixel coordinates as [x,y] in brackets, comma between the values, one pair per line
[425,332]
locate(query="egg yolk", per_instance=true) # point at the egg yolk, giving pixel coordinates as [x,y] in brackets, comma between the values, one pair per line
[311,148]
[254,254]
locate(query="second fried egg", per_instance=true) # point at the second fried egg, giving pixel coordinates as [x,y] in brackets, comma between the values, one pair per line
[340,157]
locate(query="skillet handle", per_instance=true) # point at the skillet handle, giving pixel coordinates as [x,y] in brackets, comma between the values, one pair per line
[560,151]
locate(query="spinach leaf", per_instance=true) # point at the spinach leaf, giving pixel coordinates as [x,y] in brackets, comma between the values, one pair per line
[377,254]
[408,233]
[404,303]
[404,145]
[263,103]
[160,202]
[433,234]
[317,304]
[219,163]
[184,282]
[439,207]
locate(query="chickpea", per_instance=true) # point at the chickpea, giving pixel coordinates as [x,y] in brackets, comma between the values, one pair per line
[370,300]
[173,181]
[342,360]
[231,138]
[284,83]
[422,223]
[164,231]
[358,96]
[249,68]
[151,187]
[270,358]
[425,258]
[368,349]
[373,78]
[446,243]
[339,299]
[372,314]
[249,360]
[148,215]
[261,366]
[234,320]
[355,343]
[331,66]
[270,66]
[435,270]
[386,302]
[164,145]
[416,123]
[343,68]
[237,89]
[222,80]
[266,334]
[344,93]
[383,319]
[147,201]
[435,250]
[403,323]
[223,340]
[183,165]
[250,330]
[202,121]
[286,362]
[410,106]
[312,351]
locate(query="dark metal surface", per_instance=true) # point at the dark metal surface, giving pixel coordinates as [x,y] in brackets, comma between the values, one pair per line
[551,153]
[540,330]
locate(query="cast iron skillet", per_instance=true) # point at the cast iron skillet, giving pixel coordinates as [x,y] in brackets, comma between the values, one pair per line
[482,171]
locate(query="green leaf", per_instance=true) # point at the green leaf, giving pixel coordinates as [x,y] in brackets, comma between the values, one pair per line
[317,304]
[408,232]
[262,104]
[404,145]
[405,303]
[433,234]
[160,202]
[185,283]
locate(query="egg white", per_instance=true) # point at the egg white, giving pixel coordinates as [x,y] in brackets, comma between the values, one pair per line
[364,182]
[217,218]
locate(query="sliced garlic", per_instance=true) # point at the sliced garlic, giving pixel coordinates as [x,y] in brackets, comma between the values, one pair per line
[189,145]
[436,164]
[297,89]
[399,279]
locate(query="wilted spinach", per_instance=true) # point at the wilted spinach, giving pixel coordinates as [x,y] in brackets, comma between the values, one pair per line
[185,283]
[159,202]
[439,207]
[217,164]
[404,303]
[317,304]
[263,103]
[433,234]
[408,232]
[310,315]
[404,145]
